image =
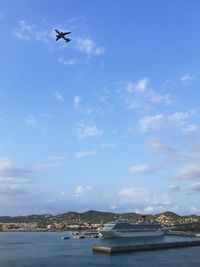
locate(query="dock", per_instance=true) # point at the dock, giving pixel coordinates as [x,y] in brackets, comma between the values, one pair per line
[181,233]
[145,247]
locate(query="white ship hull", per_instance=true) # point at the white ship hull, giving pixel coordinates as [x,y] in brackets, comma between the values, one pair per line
[108,234]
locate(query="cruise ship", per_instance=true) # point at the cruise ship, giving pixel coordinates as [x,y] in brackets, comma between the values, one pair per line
[127,229]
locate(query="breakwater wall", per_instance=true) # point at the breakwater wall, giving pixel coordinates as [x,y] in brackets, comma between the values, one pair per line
[145,247]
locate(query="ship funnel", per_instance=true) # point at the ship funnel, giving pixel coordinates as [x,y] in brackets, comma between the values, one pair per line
[143,218]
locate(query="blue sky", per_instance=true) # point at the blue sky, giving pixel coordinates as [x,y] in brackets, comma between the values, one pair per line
[109,121]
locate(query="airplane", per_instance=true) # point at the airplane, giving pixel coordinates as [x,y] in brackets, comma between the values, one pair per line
[60,35]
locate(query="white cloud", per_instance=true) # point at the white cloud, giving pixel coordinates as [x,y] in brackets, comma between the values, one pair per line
[76,101]
[160,146]
[166,151]
[160,200]
[31,121]
[83,154]
[4,164]
[59,97]
[140,169]
[9,169]
[132,193]
[45,36]
[47,166]
[159,121]
[12,186]
[151,204]
[79,192]
[174,187]
[187,77]
[23,31]
[89,47]
[156,209]
[140,95]
[84,130]
[154,97]
[14,180]
[45,115]
[151,123]
[195,187]
[149,210]
[26,31]
[106,145]
[190,128]
[103,95]
[95,102]
[113,207]
[82,191]
[194,210]
[56,158]
[181,116]
[80,106]
[191,171]
[194,148]
[71,61]
[141,85]
[163,208]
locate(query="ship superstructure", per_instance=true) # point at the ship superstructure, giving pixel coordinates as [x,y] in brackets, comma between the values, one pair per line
[127,229]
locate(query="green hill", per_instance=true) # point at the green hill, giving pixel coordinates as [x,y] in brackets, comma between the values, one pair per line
[101,217]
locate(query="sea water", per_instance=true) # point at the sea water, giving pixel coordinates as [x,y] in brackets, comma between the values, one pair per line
[47,249]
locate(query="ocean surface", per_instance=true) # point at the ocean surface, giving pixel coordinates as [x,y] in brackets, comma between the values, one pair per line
[47,249]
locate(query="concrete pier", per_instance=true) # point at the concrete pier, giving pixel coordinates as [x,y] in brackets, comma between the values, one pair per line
[145,247]
[181,233]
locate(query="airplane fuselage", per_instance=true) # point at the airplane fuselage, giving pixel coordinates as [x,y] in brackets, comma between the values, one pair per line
[61,35]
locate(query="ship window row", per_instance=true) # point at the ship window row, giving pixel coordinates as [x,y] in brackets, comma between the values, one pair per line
[137,230]
[128,226]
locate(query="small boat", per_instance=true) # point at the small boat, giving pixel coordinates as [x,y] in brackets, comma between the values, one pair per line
[65,237]
[78,235]
[91,234]
[86,234]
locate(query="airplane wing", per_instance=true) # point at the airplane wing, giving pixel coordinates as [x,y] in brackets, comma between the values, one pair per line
[57,38]
[66,33]
[57,31]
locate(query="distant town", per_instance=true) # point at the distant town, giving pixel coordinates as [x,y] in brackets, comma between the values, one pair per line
[91,220]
